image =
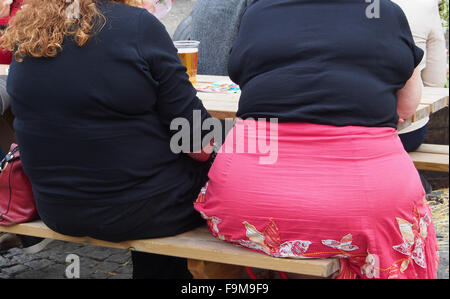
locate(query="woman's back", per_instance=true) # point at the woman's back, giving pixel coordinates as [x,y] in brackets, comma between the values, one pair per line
[322,62]
[341,184]
[93,122]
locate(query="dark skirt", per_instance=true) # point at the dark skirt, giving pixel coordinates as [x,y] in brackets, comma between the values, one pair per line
[167,214]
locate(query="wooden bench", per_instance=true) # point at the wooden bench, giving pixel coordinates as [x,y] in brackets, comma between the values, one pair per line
[198,244]
[431,157]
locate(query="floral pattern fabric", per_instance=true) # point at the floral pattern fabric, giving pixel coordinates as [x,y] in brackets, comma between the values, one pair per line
[350,193]
[268,241]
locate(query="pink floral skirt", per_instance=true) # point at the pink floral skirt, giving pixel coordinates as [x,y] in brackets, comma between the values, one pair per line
[346,192]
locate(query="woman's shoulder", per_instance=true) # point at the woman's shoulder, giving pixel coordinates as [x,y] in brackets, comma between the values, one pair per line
[126,19]
[119,11]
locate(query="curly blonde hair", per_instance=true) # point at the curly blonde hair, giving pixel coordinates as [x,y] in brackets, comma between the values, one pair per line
[39,28]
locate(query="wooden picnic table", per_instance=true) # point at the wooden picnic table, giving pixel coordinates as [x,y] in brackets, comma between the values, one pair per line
[226,105]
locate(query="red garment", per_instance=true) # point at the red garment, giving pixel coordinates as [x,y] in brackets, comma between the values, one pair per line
[346,192]
[6,56]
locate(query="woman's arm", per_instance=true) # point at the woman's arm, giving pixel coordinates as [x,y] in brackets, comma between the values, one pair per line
[5,8]
[410,95]
[176,95]
[434,74]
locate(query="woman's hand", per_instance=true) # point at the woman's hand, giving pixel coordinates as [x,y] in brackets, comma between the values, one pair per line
[5,8]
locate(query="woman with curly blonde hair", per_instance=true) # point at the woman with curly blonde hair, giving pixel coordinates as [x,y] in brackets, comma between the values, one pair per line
[95,85]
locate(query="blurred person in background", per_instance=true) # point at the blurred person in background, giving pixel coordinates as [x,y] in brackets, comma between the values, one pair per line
[426,27]
[215,23]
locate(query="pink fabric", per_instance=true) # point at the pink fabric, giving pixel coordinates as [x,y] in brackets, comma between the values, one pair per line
[347,192]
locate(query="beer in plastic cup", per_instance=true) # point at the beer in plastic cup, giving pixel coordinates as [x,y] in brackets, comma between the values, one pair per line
[188,53]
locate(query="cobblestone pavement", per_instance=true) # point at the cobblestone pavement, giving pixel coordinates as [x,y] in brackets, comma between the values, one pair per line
[438,202]
[95,262]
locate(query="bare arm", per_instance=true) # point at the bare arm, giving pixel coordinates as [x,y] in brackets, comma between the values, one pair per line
[5,8]
[410,95]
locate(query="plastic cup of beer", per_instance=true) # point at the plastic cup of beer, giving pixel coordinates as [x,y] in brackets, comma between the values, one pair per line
[188,53]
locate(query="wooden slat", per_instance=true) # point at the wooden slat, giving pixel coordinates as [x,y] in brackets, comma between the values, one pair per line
[422,111]
[211,78]
[433,149]
[436,91]
[404,125]
[436,102]
[433,162]
[198,244]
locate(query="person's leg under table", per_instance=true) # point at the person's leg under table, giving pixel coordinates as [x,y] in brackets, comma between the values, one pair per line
[155,266]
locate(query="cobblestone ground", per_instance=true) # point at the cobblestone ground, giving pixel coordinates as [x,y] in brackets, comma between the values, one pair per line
[438,202]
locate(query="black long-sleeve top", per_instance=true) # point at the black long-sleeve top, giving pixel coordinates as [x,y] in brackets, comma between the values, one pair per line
[93,123]
[332,62]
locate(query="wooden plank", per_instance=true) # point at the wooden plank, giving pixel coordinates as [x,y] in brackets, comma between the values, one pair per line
[436,102]
[211,78]
[406,124]
[433,149]
[198,244]
[433,162]
[422,111]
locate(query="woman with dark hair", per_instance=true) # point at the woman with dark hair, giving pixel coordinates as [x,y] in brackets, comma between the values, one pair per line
[337,80]
[94,87]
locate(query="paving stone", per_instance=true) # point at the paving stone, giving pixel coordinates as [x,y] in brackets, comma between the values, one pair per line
[100,275]
[107,267]
[14,269]
[120,258]
[127,269]
[93,252]
[23,258]
[3,261]
[120,276]
[4,276]
[56,271]
[6,262]
[39,264]
[12,252]
[87,267]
